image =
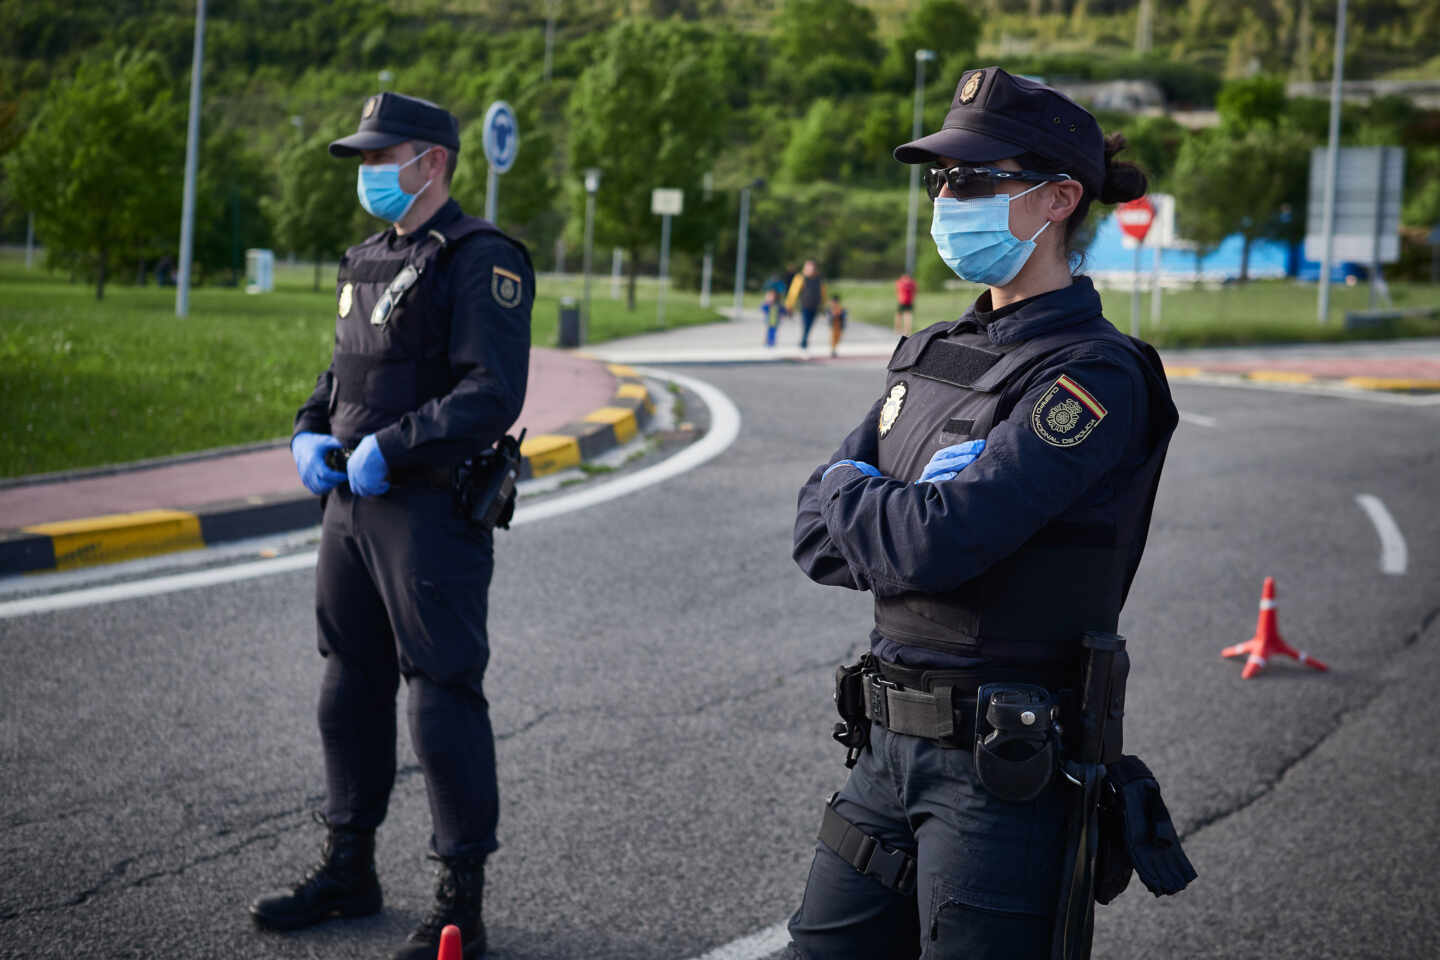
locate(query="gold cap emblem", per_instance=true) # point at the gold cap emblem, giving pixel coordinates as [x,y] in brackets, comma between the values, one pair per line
[369,108]
[972,87]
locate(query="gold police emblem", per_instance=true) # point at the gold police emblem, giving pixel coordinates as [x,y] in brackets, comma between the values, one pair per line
[1066,413]
[972,87]
[369,108]
[506,287]
[347,296]
[891,410]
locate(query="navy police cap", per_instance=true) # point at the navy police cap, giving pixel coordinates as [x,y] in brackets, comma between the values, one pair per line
[390,118]
[995,116]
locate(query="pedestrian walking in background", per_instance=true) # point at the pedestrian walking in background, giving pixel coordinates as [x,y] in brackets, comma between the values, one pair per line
[996,501]
[807,292]
[904,305]
[432,346]
[773,306]
[838,316]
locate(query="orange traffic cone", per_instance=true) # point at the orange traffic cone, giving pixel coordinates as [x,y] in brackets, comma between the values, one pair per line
[1267,643]
[449,943]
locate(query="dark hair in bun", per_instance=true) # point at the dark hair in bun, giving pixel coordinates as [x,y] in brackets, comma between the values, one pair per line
[1123,181]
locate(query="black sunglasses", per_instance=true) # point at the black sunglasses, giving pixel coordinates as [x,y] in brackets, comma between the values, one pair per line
[967,183]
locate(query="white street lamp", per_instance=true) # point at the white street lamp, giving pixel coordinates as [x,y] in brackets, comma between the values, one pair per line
[921,58]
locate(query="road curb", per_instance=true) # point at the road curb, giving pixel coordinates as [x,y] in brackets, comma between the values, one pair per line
[113,538]
[1381,384]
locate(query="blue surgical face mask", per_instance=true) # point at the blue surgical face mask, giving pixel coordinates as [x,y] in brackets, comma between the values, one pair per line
[974,238]
[378,185]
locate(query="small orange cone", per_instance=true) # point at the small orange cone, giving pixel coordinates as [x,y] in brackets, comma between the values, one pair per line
[449,943]
[1267,643]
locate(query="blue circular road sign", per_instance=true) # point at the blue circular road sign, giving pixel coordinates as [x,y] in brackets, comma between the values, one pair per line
[502,137]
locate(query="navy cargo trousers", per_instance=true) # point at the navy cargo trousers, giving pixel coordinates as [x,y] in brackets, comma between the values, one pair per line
[987,871]
[401,589]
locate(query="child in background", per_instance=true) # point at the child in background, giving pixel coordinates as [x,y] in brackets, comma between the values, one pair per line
[838,316]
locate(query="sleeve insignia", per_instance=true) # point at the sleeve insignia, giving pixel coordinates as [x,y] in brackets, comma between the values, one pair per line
[505,287]
[891,410]
[1066,413]
[347,296]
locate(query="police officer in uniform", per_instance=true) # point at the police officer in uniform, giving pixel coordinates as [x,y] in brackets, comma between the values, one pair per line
[432,345]
[995,500]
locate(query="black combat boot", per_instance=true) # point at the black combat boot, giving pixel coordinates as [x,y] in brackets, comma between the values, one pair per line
[342,884]
[458,890]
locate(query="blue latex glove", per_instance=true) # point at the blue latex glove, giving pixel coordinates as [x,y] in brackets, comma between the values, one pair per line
[309,449]
[948,461]
[860,465]
[367,469]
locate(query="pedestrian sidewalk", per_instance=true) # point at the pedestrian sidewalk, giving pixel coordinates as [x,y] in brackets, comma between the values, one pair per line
[1395,366]
[575,408]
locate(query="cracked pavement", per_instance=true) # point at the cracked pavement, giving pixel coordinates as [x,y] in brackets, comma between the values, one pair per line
[660,685]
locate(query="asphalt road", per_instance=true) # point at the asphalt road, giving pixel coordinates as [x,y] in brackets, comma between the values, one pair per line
[660,689]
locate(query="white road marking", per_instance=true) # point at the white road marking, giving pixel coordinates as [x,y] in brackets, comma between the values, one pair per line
[1393,556]
[724,428]
[1199,419]
[759,944]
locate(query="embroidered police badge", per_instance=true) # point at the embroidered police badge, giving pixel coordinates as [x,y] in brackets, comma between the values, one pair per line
[505,287]
[891,410]
[1066,414]
[347,296]
[972,86]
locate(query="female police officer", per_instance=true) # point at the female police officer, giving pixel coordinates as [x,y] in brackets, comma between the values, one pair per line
[995,500]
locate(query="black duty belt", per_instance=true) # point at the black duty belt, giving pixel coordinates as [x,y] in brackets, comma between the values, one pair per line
[935,704]
[421,476]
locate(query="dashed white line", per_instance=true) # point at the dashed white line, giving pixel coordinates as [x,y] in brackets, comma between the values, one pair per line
[724,428]
[1199,419]
[1393,556]
[762,943]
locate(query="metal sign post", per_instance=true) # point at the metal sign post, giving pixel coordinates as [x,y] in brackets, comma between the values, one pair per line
[1362,221]
[592,184]
[921,58]
[192,146]
[501,141]
[1135,217]
[1332,158]
[667,203]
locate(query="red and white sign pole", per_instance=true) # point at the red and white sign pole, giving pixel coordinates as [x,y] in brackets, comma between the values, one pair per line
[1135,217]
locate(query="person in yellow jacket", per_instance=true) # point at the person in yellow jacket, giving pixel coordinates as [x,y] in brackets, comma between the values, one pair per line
[808,291]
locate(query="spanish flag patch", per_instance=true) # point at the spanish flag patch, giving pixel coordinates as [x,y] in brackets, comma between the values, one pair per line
[1066,413]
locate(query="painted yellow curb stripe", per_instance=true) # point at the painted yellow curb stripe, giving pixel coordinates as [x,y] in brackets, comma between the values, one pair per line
[1391,383]
[622,371]
[621,420]
[1183,371]
[1280,376]
[633,391]
[549,452]
[120,536]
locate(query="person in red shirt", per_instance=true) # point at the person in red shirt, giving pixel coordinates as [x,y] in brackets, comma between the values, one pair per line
[905,304]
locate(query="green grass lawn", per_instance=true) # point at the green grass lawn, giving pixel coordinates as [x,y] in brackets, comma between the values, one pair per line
[89,382]
[1264,311]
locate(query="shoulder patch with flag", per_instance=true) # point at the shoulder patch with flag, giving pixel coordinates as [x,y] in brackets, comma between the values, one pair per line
[506,287]
[1066,413]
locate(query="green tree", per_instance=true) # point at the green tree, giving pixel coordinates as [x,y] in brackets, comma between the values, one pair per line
[649,112]
[101,165]
[1260,99]
[825,34]
[950,29]
[1253,184]
[230,186]
[315,211]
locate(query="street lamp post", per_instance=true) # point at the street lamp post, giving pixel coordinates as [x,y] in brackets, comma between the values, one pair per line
[742,243]
[921,58]
[592,184]
[192,145]
[1332,162]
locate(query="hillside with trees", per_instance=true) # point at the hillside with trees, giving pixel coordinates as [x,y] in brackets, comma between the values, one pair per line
[807,95]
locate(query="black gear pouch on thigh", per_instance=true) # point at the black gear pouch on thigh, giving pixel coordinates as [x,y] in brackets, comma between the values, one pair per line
[1141,832]
[1112,861]
[483,487]
[1015,740]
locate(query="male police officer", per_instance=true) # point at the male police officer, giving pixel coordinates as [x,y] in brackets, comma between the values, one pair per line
[432,343]
[995,500]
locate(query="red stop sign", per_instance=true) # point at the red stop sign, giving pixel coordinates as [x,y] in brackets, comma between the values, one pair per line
[1135,217]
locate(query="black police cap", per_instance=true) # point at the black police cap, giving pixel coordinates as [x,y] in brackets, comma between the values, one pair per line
[995,115]
[390,118]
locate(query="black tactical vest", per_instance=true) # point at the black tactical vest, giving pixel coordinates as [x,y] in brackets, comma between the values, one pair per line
[392,330]
[1029,609]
